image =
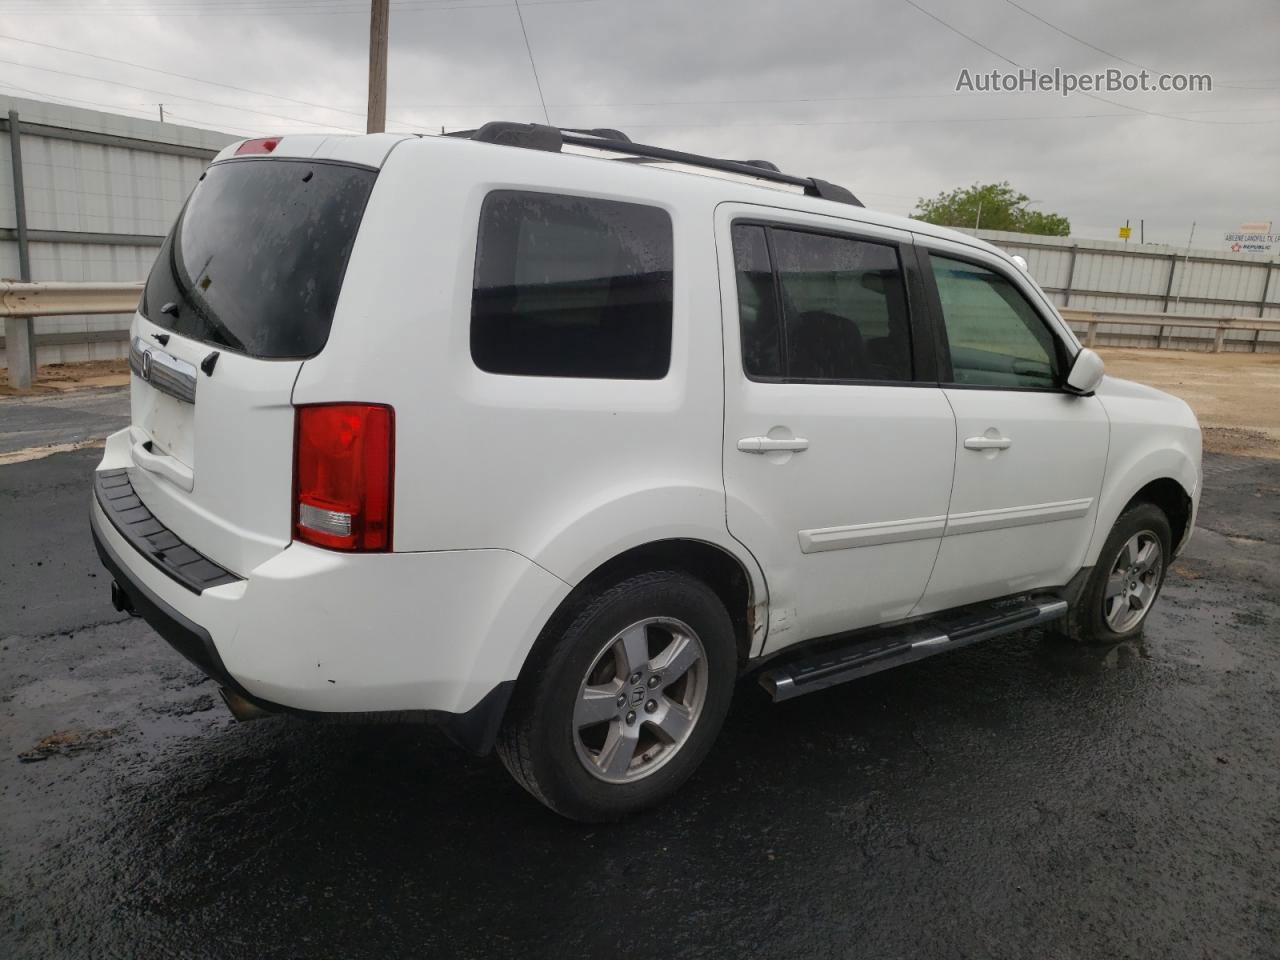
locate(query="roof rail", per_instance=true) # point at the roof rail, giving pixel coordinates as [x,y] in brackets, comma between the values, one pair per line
[538,136]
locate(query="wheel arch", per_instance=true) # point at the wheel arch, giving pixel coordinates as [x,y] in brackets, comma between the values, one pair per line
[731,577]
[1167,478]
[1167,494]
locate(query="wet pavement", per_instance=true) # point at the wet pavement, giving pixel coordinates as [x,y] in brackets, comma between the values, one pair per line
[1018,799]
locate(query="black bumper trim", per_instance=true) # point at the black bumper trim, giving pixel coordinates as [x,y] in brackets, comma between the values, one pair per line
[474,731]
[187,637]
[163,549]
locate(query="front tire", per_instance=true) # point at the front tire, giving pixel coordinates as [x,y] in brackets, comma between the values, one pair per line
[625,703]
[1124,585]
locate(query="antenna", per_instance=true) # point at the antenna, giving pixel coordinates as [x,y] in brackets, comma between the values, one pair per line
[529,50]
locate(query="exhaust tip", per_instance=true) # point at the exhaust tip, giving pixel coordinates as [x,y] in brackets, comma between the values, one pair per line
[240,708]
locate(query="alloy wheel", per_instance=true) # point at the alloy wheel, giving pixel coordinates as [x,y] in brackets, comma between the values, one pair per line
[1134,580]
[640,701]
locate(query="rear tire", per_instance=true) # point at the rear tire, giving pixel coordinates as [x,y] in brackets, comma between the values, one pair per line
[1126,582]
[625,702]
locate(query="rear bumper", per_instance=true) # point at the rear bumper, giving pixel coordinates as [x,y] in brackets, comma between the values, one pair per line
[436,635]
[184,635]
[474,730]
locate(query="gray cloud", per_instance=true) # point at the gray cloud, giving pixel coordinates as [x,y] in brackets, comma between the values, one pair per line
[860,93]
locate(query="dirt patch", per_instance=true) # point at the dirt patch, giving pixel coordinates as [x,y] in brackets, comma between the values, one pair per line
[1241,442]
[1235,395]
[68,743]
[61,377]
[39,453]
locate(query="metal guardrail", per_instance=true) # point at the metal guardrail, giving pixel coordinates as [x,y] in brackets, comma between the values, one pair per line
[21,302]
[61,299]
[1088,324]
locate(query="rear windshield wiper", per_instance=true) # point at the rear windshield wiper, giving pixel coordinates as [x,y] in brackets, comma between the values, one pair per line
[216,327]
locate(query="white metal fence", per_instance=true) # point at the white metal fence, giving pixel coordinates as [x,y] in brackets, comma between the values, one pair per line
[1174,331]
[94,193]
[1116,278]
[87,197]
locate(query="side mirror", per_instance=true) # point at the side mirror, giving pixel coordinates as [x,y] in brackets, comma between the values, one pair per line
[1086,372]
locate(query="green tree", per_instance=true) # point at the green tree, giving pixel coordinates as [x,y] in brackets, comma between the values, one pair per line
[991,206]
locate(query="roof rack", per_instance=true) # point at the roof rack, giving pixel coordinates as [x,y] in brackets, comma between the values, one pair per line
[538,136]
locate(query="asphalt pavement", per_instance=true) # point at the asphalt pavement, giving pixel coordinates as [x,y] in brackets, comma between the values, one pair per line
[1023,798]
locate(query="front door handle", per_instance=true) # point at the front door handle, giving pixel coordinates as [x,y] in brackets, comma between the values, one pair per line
[988,443]
[770,445]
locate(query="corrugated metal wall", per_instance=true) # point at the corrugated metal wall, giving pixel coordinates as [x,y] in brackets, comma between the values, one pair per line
[1148,278]
[95,210]
[98,211]
[1108,275]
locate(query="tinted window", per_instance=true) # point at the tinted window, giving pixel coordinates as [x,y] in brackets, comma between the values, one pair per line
[757,303]
[844,306]
[996,337]
[256,259]
[572,287]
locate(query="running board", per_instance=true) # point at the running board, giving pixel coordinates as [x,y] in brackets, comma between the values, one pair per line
[882,648]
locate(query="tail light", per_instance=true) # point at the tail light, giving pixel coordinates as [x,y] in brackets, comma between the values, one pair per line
[343,475]
[261,145]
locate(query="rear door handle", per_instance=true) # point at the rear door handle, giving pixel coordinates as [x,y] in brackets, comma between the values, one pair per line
[770,445]
[988,443]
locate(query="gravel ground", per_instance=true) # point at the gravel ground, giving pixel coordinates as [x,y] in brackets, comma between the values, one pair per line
[1018,799]
[1235,395]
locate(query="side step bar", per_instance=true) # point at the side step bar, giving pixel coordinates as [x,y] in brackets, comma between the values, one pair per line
[882,648]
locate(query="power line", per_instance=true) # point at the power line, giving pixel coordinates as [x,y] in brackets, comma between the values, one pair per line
[279,11]
[1091,96]
[888,121]
[180,76]
[959,32]
[1081,40]
[165,93]
[135,108]
[192,5]
[183,76]
[533,66]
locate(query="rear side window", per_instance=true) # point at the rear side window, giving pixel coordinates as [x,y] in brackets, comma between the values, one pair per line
[757,303]
[820,307]
[572,287]
[256,260]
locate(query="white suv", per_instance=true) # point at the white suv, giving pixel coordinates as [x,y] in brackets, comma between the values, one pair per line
[548,437]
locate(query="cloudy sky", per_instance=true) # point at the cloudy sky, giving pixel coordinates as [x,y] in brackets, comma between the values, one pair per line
[861,92]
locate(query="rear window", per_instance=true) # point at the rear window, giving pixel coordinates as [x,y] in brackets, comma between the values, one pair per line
[256,259]
[572,287]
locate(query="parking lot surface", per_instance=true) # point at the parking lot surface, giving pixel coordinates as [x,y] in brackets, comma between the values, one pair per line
[1022,798]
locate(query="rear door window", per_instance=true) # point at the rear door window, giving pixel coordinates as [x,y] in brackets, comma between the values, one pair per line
[572,287]
[256,260]
[818,307]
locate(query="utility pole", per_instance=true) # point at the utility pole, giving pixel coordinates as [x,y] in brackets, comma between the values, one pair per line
[162,113]
[1185,260]
[377,115]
